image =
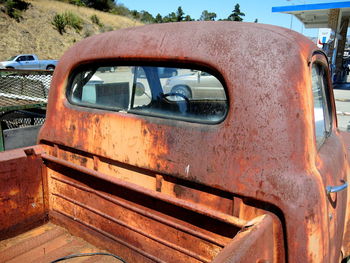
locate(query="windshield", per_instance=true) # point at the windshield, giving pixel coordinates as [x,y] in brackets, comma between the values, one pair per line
[180,93]
[11,58]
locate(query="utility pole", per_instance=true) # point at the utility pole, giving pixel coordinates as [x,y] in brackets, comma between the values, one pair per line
[291,18]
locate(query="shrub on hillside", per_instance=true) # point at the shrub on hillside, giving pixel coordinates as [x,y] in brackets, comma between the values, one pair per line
[96,20]
[73,2]
[102,5]
[59,23]
[77,2]
[73,21]
[67,19]
[14,8]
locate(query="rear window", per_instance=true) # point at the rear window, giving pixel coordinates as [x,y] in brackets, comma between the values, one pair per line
[174,93]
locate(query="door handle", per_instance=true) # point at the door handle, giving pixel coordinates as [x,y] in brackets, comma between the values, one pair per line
[335,189]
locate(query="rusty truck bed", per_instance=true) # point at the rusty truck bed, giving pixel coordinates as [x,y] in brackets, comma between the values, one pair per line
[47,243]
[138,224]
[168,182]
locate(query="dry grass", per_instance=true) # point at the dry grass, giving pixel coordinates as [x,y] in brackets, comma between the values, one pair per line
[35,33]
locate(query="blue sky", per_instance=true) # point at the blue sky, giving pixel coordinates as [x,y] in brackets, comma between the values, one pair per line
[260,9]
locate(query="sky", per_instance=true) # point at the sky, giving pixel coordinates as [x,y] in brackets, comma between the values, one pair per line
[260,9]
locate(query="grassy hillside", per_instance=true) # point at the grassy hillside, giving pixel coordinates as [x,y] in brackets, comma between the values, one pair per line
[35,33]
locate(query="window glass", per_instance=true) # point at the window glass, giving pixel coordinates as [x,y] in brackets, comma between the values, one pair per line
[322,108]
[179,93]
[21,58]
[30,58]
[11,58]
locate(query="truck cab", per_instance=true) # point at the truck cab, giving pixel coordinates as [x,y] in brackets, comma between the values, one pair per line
[256,171]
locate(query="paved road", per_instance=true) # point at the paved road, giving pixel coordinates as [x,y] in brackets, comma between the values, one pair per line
[342,103]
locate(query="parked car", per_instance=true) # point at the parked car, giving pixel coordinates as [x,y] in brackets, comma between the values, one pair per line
[195,85]
[28,61]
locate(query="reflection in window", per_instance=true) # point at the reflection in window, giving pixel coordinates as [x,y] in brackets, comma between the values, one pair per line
[322,107]
[185,94]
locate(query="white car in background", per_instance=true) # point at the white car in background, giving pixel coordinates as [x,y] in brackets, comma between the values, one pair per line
[28,61]
[195,85]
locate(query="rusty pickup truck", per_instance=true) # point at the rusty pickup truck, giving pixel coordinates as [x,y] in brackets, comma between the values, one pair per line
[248,166]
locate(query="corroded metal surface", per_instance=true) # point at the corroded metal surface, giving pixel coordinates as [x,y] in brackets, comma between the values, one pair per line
[264,152]
[346,236]
[151,227]
[21,191]
[175,201]
[254,243]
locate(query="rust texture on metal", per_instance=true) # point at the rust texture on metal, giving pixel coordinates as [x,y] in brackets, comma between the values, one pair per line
[21,191]
[254,243]
[155,228]
[265,148]
[158,190]
[346,236]
[177,222]
[166,198]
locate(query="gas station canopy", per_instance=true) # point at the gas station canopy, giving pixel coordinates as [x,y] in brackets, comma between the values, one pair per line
[314,15]
[332,16]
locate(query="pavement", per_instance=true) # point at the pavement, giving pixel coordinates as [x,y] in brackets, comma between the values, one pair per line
[342,104]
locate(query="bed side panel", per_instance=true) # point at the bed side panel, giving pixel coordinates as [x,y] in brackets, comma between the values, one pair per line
[21,191]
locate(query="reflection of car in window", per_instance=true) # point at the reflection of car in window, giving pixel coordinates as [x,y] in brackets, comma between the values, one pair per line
[196,85]
[140,90]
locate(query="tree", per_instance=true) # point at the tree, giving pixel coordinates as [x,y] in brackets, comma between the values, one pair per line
[179,14]
[122,10]
[207,16]
[188,18]
[134,13]
[158,19]
[256,20]
[170,18]
[236,14]
[103,5]
[146,17]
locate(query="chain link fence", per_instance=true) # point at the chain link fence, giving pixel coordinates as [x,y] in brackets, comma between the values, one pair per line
[22,91]
[19,87]
[23,99]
